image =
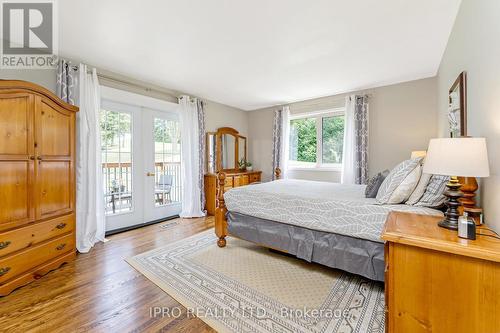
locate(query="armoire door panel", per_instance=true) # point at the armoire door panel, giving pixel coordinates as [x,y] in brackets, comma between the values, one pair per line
[16,119]
[16,206]
[54,127]
[54,188]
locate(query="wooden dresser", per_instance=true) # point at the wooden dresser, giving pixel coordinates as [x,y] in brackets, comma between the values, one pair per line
[233,179]
[437,282]
[37,183]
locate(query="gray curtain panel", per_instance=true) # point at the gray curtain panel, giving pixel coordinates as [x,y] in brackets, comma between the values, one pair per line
[277,130]
[202,148]
[361,130]
[67,82]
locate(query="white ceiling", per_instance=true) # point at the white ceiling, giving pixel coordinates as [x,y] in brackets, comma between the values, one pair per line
[257,53]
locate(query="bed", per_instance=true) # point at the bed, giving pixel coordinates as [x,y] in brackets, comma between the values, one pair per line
[326,223]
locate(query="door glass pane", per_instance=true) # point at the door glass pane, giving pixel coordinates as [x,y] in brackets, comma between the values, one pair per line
[303,142]
[116,148]
[333,139]
[167,147]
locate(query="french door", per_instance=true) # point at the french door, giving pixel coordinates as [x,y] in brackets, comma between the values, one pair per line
[141,162]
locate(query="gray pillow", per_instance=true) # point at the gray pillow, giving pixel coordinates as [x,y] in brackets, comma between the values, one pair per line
[395,178]
[434,193]
[374,184]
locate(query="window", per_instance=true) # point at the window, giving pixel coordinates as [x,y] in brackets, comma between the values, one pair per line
[116,150]
[316,141]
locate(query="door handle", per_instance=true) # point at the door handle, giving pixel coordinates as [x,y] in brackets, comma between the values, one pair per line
[150,174]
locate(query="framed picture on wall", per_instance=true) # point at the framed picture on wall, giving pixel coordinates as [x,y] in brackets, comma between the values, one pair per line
[457,107]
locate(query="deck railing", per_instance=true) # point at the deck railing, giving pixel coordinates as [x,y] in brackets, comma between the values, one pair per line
[118,191]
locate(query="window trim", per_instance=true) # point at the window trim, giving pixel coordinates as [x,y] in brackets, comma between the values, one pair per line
[318,116]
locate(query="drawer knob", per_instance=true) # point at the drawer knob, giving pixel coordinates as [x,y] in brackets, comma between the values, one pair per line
[3,245]
[60,247]
[61,225]
[4,270]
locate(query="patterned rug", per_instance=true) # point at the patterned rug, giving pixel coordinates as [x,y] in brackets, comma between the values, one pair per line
[247,288]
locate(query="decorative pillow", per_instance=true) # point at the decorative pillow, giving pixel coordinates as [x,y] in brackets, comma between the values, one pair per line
[434,193]
[420,189]
[374,184]
[395,178]
[406,188]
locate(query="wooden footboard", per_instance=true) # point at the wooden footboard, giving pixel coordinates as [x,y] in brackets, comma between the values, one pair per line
[221,210]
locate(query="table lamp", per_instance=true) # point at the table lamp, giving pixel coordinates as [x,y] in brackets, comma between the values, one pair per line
[465,157]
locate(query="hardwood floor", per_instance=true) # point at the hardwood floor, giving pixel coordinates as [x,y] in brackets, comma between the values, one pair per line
[100,292]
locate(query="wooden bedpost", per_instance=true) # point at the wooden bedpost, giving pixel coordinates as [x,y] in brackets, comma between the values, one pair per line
[277,173]
[220,212]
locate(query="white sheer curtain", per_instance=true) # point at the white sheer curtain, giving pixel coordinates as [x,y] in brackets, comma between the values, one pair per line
[349,151]
[285,141]
[191,150]
[90,219]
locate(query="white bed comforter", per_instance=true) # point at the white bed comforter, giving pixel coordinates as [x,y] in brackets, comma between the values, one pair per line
[329,207]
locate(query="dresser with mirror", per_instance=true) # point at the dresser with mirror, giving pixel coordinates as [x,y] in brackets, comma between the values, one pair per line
[226,149]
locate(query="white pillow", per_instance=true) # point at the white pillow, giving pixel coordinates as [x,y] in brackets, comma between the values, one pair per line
[395,178]
[406,188]
[420,189]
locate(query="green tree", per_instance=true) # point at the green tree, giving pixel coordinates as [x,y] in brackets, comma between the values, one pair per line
[333,139]
[303,139]
[113,124]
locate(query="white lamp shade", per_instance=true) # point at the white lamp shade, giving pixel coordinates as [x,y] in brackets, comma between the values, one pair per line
[464,157]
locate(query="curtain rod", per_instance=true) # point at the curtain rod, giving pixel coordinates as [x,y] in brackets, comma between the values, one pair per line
[128,83]
[335,98]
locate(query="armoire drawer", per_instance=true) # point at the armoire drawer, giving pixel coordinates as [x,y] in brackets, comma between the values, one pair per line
[18,263]
[18,239]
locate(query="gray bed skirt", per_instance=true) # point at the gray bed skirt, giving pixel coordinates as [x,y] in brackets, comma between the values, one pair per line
[354,255]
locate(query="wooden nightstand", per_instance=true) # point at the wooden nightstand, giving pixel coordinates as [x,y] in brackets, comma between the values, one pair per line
[437,282]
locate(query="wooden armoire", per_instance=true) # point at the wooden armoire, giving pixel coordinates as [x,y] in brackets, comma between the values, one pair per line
[37,183]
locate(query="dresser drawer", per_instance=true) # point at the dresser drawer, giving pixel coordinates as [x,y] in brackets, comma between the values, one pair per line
[244,180]
[18,263]
[255,177]
[236,181]
[27,236]
[228,182]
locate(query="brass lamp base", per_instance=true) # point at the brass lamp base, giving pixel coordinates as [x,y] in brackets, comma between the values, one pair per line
[453,194]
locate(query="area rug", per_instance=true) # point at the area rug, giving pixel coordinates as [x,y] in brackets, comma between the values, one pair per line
[246,288]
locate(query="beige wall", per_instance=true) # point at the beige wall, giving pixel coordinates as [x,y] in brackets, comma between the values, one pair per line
[402,119]
[220,115]
[473,47]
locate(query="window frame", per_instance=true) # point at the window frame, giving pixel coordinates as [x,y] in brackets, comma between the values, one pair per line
[318,116]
